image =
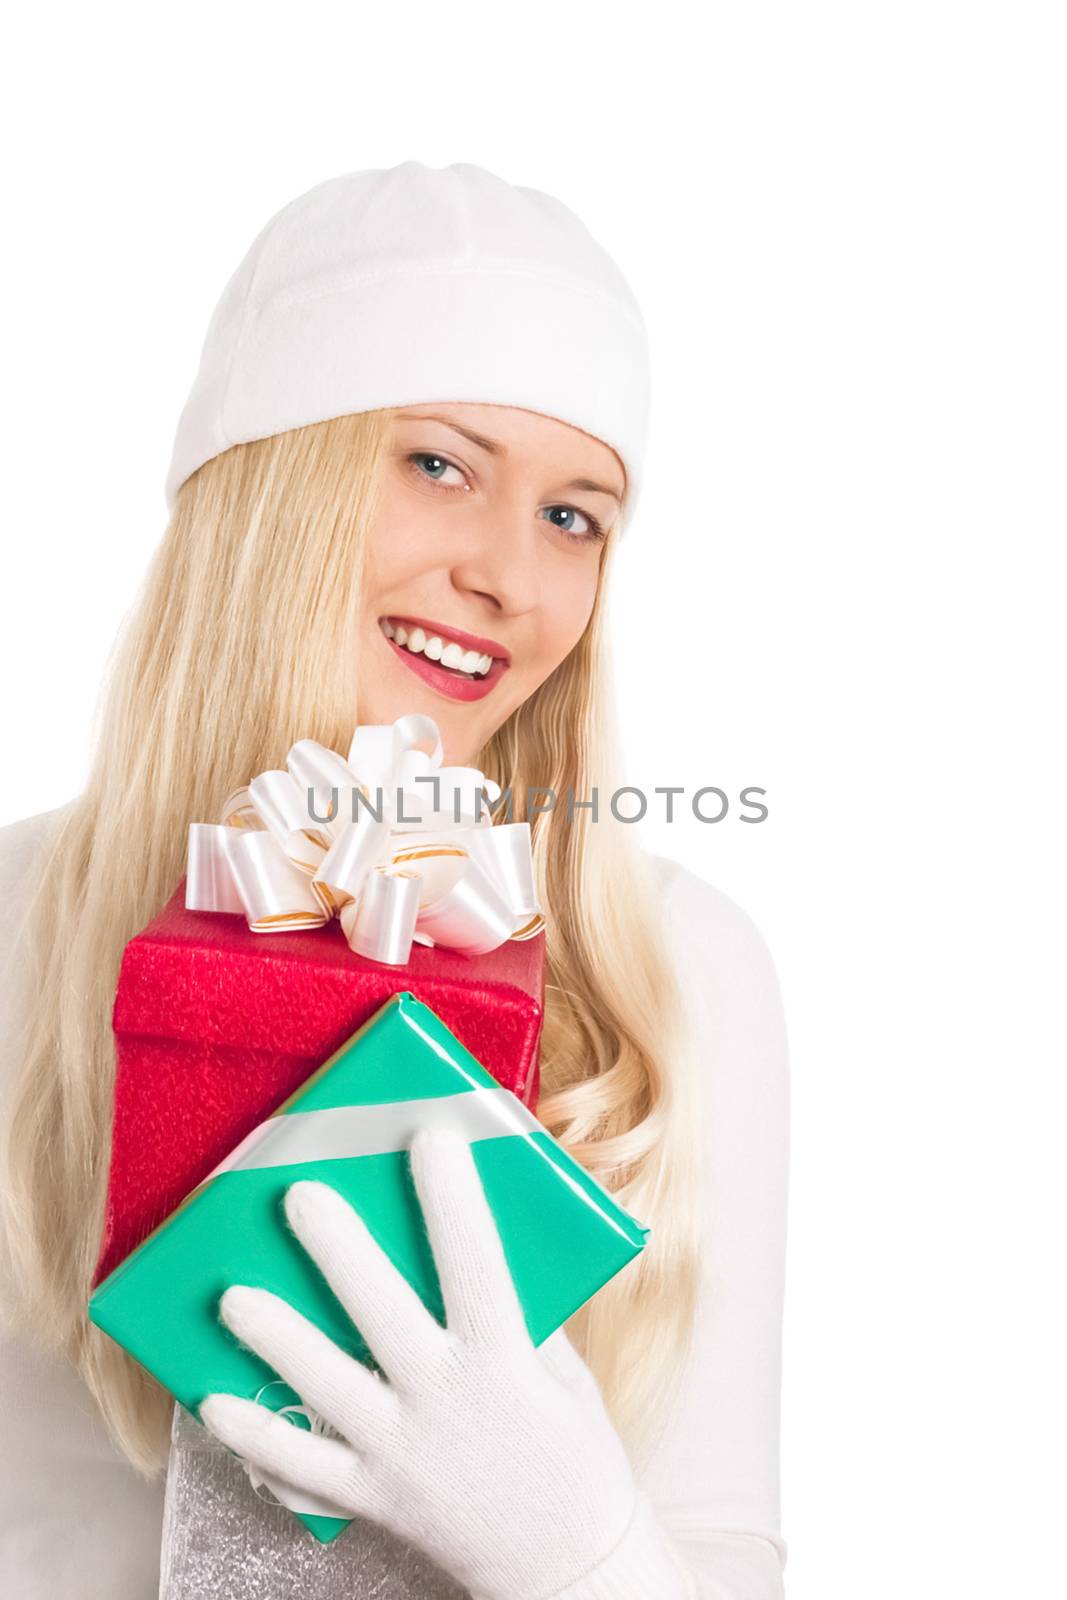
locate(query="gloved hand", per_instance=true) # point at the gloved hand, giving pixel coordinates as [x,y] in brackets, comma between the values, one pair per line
[493,1455]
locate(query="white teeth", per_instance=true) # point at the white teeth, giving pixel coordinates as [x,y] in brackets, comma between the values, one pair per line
[449,654]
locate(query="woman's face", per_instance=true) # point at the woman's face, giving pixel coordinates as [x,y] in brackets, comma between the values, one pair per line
[483,564]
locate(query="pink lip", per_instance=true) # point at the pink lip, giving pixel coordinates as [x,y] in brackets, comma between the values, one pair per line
[442,680]
[469,641]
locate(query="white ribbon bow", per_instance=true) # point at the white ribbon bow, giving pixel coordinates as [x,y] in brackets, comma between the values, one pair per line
[418,859]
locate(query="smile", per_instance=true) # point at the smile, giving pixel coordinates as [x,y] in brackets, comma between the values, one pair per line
[446,659]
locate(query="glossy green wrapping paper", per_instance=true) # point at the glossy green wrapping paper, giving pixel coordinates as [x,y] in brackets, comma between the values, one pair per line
[350,1125]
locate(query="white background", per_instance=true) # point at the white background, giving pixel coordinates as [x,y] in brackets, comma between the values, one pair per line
[845,224]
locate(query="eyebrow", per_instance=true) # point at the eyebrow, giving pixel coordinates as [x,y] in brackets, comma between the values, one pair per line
[495,448]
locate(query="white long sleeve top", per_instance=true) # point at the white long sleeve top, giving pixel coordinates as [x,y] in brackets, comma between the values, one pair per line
[77,1521]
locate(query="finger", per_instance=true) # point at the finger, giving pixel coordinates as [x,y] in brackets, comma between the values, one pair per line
[476,1284]
[563,1360]
[308,1461]
[399,1330]
[327,1378]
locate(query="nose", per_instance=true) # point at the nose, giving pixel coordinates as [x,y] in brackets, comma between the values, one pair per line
[499,557]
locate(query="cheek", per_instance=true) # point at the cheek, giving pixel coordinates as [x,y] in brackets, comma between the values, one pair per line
[399,547]
[566,619]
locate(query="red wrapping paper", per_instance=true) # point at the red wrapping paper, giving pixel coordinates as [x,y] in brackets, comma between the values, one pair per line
[215,1026]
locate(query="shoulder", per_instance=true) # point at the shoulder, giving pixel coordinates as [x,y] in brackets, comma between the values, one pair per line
[23,850]
[24,847]
[703,922]
[731,993]
[22,842]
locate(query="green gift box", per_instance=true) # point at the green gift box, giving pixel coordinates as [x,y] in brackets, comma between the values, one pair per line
[350,1125]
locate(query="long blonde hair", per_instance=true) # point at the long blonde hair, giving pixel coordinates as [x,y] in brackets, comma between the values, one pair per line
[243,640]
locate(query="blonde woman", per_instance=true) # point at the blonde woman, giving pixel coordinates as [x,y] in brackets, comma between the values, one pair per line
[399,483]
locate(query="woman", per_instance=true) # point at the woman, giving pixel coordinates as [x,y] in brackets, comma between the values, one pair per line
[399,481]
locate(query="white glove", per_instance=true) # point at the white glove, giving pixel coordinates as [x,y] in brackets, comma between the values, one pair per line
[493,1455]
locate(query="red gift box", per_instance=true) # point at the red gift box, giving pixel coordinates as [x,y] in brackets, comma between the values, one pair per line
[215,1026]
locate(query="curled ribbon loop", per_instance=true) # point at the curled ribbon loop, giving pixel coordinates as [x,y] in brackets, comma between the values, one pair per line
[287,1494]
[396,845]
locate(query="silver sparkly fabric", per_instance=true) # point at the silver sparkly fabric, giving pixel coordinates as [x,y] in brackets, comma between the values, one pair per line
[222,1541]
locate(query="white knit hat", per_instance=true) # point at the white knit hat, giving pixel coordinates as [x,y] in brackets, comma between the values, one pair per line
[413,284]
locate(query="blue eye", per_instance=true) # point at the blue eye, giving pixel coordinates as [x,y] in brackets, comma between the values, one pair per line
[438,462]
[592,530]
